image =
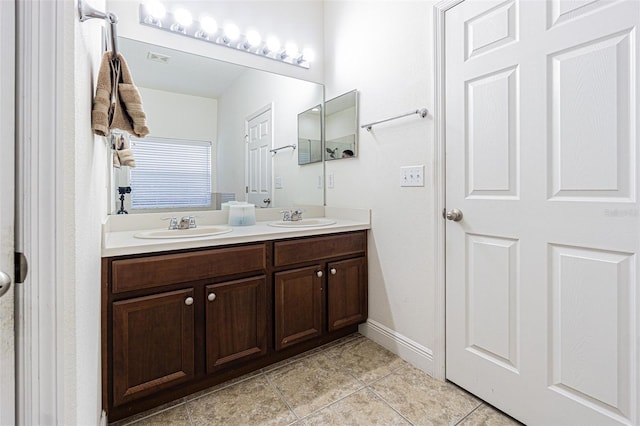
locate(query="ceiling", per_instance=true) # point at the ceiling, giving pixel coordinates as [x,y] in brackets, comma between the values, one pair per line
[176,71]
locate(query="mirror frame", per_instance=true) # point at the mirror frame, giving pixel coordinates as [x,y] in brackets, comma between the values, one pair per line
[355,131]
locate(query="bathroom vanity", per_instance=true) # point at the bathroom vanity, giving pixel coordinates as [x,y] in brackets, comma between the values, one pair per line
[180,320]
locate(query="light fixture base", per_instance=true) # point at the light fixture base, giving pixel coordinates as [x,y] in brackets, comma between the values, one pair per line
[193,31]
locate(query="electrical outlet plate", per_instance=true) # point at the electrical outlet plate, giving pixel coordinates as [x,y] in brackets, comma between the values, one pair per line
[412,175]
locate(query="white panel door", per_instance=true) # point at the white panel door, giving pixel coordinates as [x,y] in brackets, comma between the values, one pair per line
[259,159]
[542,156]
[7,161]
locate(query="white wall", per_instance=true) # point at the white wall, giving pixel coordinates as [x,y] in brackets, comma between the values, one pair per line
[250,93]
[197,119]
[84,204]
[384,49]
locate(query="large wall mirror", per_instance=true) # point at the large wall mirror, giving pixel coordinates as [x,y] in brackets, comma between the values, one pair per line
[310,135]
[341,126]
[240,112]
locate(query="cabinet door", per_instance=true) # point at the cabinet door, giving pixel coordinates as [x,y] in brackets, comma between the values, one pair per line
[153,338]
[298,305]
[346,293]
[236,321]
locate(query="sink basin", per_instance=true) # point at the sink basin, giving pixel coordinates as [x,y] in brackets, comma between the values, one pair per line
[304,223]
[201,231]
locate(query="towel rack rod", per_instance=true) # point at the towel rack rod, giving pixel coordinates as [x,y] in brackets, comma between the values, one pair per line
[275,150]
[87,12]
[421,112]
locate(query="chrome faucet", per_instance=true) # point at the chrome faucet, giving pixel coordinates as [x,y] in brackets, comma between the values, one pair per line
[173,222]
[291,215]
[296,215]
[186,222]
[286,215]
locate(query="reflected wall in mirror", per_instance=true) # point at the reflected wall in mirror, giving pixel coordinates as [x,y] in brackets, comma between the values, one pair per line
[196,98]
[341,126]
[310,135]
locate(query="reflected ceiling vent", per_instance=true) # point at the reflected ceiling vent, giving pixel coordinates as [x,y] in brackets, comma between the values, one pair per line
[157,57]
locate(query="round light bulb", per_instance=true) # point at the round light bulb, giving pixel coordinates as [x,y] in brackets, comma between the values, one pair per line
[308,54]
[291,49]
[156,9]
[208,24]
[231,32]
[183,17]
[273,44]
[253,38]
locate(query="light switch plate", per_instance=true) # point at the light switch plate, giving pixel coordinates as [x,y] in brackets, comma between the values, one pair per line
[331,181]
[278,182]
[412,175]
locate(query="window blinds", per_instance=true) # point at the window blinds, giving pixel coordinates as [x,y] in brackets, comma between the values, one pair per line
[170,173]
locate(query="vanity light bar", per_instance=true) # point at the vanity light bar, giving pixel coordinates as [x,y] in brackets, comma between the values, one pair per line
[169,22]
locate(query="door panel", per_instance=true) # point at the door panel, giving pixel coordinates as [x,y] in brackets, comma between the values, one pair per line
[236,321]
[7,209]
[153,344]
[259,159]
[541,158]
[298,305]
[347,301]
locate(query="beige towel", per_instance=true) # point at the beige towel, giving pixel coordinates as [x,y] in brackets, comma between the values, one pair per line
[123,154]
[117,104]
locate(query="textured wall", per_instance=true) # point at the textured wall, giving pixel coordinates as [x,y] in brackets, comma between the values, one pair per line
[384,49]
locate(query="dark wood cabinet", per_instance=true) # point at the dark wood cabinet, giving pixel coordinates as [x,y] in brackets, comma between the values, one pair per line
[298,305]
[152,344]
[347,301]
[236,326]
[174,323]
[325,296]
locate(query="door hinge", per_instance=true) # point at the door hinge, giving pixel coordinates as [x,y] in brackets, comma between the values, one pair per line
[246,189]
[21,267]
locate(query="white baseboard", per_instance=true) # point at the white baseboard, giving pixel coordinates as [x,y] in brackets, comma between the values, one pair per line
[415,354]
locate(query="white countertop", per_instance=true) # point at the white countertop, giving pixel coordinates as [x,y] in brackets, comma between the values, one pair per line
[118,231]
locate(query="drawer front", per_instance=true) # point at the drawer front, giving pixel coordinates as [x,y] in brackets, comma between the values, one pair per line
[319,248]
[140,273]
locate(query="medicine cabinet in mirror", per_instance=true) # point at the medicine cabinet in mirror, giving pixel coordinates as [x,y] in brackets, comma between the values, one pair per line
[341,126]
[228,107]
[310,135]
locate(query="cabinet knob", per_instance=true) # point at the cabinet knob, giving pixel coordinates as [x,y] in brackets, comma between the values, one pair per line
[319,274]
[188,301]
[211,297]
[333,271]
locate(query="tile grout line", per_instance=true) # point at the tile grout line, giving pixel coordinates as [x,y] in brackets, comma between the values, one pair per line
[124,421]
[333,403]
[470,413]
[388,404]
[281,396]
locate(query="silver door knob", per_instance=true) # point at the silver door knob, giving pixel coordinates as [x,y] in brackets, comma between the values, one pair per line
[211,297]
[454,215]
[319,274]
[5,283]
[188,301]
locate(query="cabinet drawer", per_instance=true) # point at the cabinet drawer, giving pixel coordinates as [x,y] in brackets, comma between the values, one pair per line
[319,248]
[134,274]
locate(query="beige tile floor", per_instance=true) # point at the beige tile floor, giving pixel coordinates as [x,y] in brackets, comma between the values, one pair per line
[353,381]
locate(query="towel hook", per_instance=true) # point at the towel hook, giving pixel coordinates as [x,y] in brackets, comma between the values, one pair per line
[87,12]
